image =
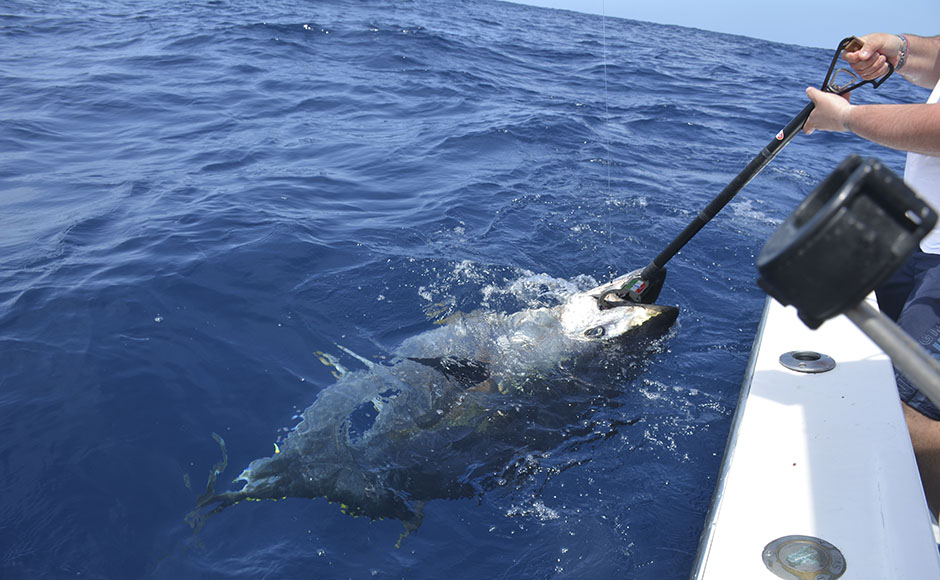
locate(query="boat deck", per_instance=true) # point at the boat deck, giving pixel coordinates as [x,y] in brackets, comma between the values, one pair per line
[819,477]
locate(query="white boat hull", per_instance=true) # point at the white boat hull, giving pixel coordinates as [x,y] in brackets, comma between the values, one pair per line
[825,456]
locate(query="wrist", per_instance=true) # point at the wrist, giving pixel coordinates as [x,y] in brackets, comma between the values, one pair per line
[846,118]
[902,52]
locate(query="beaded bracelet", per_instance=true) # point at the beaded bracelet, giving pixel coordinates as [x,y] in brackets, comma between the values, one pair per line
[902,56]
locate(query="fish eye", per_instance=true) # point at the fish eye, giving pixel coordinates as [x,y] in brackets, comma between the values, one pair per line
[595,332]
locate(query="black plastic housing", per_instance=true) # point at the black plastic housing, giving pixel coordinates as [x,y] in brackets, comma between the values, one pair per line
[852,232]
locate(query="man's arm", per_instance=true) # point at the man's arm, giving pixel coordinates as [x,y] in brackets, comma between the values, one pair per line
[914,127]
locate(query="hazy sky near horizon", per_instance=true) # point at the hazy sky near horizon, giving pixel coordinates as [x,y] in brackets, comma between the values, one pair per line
[816,23]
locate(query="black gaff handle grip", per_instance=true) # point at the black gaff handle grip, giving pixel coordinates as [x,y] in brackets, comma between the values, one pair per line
[850,44]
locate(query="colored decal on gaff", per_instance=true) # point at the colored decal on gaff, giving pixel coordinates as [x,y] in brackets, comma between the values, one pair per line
[637,285]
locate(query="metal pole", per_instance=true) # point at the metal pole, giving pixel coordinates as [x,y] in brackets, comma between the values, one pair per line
[908,356]
[750,171]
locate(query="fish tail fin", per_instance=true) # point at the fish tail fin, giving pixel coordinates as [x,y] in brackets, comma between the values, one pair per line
[197,518]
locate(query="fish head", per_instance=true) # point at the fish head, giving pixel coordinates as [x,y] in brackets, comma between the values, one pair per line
[583,319]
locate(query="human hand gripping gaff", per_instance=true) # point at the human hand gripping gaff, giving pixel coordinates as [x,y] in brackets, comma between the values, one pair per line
[832,107]
[830,114]
[879,54]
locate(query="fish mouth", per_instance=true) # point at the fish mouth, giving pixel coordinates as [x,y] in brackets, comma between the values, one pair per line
[660,318]
[664,313]
[652,322]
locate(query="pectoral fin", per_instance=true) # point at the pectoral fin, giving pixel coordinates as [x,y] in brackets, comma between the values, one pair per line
[467,373]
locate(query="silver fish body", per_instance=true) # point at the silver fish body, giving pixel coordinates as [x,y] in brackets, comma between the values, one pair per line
[454,406]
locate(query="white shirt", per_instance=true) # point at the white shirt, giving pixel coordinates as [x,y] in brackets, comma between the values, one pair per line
[922,174]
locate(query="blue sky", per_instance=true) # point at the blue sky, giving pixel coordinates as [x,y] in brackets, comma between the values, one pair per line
[817,23]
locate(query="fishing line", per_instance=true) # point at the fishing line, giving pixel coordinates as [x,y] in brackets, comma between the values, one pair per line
[607,162]
[606,100]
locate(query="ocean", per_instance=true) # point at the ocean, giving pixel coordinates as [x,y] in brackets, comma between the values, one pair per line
[199,197]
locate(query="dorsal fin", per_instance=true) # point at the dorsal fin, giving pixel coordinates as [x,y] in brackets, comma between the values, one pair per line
[466,372]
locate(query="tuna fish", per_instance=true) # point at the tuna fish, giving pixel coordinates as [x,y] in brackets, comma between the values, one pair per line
[453,407]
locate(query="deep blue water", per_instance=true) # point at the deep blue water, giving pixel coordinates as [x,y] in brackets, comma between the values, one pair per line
[197,197]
